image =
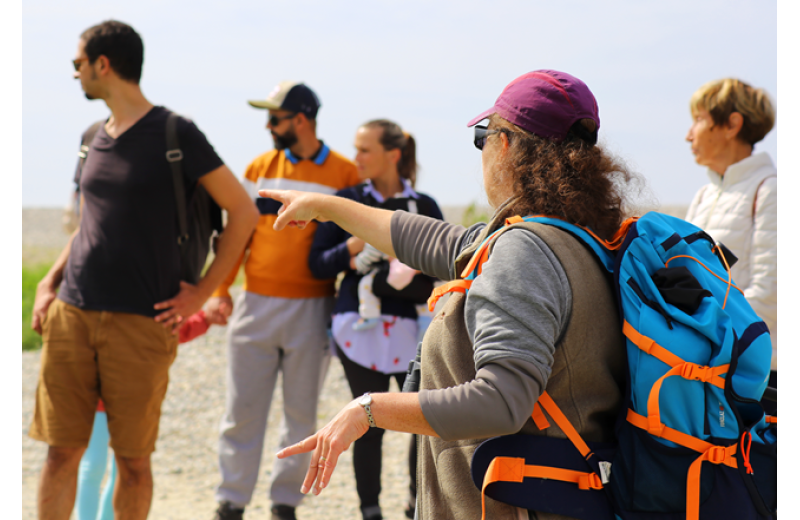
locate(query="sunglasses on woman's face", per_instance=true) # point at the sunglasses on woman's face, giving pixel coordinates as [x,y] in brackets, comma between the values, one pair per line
[482,134]
[275,120]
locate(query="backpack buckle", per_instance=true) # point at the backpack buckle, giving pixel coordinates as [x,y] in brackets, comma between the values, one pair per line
[695,372]
[174,155]
[656,430]
[590,481]
[717,455]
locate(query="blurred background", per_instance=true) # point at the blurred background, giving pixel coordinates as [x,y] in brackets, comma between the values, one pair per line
[430,66]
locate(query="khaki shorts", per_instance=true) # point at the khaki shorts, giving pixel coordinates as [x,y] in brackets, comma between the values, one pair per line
[119,357]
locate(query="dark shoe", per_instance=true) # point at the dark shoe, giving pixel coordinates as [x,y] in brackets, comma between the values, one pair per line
[371,513]
[283,512]
[410,507]
[226,511]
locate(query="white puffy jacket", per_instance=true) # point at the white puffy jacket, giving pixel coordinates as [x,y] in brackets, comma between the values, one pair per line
[740,209]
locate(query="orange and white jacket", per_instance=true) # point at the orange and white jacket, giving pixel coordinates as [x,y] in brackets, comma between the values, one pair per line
[740,209]
[277,262]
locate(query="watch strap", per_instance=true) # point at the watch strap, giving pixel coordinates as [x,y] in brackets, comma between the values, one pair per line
[367,409]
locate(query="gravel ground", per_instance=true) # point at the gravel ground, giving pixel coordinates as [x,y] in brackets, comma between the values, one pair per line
[185,462]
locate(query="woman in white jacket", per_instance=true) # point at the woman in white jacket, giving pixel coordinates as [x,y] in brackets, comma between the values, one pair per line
[739,206]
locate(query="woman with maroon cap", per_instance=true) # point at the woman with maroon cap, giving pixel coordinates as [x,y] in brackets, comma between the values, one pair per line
[541,315]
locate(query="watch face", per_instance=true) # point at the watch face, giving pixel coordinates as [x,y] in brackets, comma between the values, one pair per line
[365,399]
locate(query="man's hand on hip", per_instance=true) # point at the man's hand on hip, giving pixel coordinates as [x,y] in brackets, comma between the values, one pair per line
[45,294]
[189,300]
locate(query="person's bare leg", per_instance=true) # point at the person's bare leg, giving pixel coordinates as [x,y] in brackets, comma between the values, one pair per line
[58,483]
[134,490]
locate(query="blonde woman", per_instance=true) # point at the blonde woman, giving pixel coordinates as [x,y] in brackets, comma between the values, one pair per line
[739,206]
[372,356]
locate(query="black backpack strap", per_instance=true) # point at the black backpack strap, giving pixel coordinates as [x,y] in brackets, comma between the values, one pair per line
[83,151]
[174,157]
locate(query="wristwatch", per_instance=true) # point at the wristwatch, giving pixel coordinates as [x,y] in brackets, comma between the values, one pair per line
[365,401]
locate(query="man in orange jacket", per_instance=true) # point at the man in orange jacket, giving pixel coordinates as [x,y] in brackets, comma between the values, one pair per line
[279,322]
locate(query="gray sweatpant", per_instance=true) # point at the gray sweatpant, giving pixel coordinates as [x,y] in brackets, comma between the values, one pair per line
[267,335]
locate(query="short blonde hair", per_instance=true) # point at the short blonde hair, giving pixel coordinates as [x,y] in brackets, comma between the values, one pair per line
[723,97]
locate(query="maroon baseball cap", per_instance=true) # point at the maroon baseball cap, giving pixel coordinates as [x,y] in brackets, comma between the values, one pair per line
[544,102]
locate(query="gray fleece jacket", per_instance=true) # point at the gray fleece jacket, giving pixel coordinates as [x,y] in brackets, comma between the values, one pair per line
[516,311]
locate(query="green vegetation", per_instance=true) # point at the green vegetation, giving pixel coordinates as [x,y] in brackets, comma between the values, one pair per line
[30,277]
[474,214]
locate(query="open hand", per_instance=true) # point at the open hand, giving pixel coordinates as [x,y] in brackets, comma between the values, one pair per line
[188,301]
[328,444]
[299,207]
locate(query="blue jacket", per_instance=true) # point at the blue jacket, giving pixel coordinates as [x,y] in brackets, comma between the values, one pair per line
[329,256]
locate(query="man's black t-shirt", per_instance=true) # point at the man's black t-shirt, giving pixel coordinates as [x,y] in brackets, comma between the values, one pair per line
[125,257]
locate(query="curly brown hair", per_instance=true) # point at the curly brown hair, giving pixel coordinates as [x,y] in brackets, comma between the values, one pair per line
[573,179]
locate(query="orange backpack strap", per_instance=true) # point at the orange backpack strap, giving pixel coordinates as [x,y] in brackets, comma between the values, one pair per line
[649,345]
[480,256]
[514,469]
[562,422]
[452,286]
[613,244]
[771,419]
[669,434]
[463,284]
[691,371]
[715,455]
[708,453]
[539,418]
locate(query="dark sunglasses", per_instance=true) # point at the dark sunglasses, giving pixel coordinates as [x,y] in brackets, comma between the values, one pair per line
[275,120]
[482,134]
[77,63]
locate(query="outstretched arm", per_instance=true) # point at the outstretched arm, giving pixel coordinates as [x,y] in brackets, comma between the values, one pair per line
[373,225]
[391,411]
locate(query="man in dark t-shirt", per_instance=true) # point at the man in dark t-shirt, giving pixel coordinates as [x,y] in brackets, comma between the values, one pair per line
[130,217]
[109,308]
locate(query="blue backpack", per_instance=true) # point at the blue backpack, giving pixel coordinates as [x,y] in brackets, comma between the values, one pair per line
[692,439]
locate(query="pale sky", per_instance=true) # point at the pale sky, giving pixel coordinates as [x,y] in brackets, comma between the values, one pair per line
[429,66]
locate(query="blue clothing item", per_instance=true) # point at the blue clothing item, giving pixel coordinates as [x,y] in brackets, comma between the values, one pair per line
[88,503]
[329,255]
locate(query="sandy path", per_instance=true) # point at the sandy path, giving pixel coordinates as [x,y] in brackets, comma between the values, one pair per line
[185,463]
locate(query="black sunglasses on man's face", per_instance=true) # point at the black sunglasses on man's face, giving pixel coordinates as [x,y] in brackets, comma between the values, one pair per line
[482,134]
[275,120]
